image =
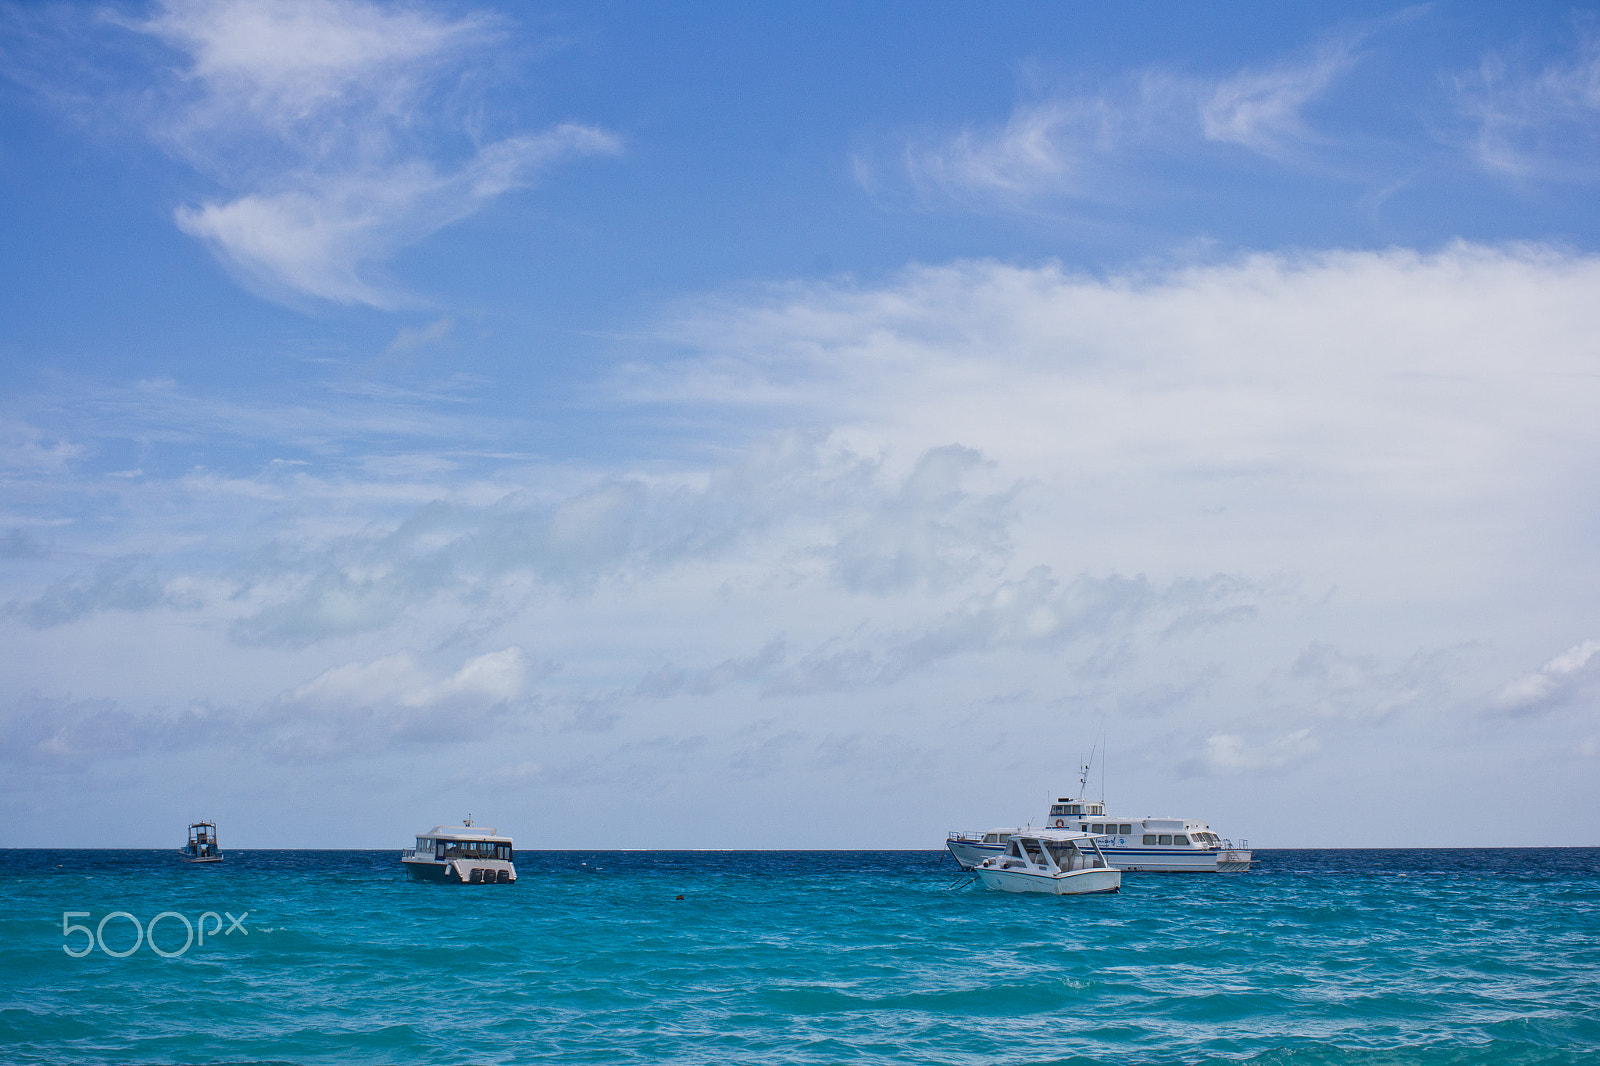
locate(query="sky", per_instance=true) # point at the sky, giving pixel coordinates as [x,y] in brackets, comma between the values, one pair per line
[798,425]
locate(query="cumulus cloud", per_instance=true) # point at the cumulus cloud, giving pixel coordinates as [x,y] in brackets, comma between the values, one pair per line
[332,126]
[1423,374]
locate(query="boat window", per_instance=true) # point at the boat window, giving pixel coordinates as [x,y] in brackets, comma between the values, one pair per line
[1125,829]
[1058,808]
[1181,839]
[1083,827]
[1149,838]
[991,838]
[1164,838]
[1097,828]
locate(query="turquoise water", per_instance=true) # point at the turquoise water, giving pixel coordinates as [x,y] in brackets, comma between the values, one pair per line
[1365,957]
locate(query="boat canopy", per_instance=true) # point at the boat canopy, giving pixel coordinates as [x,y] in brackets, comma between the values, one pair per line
[465,832]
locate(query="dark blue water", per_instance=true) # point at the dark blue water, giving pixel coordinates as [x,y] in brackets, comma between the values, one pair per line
[1365,957]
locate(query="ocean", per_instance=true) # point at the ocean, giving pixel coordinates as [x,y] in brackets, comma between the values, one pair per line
[1315,957]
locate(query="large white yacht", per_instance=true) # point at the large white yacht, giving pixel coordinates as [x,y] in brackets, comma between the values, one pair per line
[1166,845]
[461,854]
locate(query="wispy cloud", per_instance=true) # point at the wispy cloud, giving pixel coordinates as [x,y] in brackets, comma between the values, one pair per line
[1264,110]
[1082,145]
[322,234]
[337,132]
[1537,124]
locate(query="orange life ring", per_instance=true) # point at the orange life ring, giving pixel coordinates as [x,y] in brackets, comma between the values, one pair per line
[1061,823]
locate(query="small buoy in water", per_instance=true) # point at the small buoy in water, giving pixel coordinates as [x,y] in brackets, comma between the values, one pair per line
[680,897]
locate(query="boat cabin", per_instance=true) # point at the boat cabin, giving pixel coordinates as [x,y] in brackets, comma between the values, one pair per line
[1076,808]
[446,842]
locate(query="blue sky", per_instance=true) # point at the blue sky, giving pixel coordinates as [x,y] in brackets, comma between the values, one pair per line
[797,425]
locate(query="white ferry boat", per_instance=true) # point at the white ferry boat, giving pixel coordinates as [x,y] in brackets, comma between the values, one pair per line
[1166,845]
[202,846]
[1052,861]
[461,854]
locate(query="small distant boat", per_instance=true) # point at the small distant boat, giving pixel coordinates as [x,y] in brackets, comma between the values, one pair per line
[461,854]
[202,846]
[1054,861]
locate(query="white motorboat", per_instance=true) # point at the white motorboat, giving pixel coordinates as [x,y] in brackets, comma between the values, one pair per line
[1167,845]
[202,845]
[1053,861]
[461,854]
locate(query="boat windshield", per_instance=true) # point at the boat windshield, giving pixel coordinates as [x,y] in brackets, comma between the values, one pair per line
[472,849]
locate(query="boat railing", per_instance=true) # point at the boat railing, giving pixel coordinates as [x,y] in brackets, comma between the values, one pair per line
[1230,856]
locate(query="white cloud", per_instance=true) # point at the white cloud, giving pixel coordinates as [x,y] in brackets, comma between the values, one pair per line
[288,59]
[401,681]
[1229,753]
[1337,378]
[330,124]
[1553,684]
[321,236]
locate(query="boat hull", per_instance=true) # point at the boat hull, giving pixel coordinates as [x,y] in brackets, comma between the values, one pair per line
[461,871]
[1068,883]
